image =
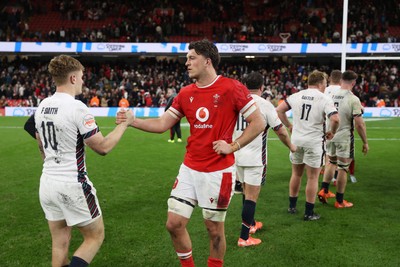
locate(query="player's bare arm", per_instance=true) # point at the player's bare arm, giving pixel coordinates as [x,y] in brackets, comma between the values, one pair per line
[362,132]
[158,125]
[283,135]
[255,127]
[334,125]
[40,145]
[103,145]
[281,110]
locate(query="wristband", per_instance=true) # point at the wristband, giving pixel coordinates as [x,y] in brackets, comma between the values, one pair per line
[235,146]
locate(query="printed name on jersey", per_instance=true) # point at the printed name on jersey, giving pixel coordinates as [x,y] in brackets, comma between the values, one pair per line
[306,97]
[89,121]
[48,110]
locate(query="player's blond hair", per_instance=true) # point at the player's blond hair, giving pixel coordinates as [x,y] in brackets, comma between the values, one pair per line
[61,66]
[317,77]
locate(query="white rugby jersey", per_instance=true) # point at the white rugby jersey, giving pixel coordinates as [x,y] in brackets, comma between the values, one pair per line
[309,108]
[255,153]
[63,123]
[349,106]
[331,88]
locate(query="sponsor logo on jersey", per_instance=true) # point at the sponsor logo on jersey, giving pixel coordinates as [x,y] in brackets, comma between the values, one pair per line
[89,121]
[202,115]
[191,99]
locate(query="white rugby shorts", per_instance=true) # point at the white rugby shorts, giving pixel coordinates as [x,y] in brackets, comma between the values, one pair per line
[250,175]
[74,202]
[211,190]
[311,156]
[342,149]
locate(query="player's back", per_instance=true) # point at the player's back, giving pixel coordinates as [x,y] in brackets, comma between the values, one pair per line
[251,154]
[56,122]
[348,105]
[309,108]
[331,89]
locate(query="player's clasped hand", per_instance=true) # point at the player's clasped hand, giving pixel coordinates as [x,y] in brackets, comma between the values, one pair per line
[329,135]
[222,147]
[125,116]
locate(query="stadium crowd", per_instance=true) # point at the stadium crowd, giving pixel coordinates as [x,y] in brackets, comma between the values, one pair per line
[26,82]
[219,20]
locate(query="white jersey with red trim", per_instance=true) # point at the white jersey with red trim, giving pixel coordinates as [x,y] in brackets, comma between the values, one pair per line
[212,112]
[63,123]
[309,108]
[255,153]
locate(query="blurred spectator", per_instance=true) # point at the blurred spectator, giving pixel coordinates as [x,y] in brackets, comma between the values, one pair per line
[218,20]
[144,84]
[94,101]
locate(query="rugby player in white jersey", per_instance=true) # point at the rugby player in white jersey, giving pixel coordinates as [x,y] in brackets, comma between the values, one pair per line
[251,161]
[67,196]
[341,148]
[309,108]
[334,84]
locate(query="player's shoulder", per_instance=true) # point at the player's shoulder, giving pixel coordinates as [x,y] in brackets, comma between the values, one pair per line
[262,101]
[186,89]
[232,83]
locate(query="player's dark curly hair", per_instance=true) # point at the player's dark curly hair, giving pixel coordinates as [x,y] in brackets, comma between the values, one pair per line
[254,80]
[206,49]
[349,76]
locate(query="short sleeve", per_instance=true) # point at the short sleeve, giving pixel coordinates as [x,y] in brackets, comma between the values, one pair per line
[330,108]
[242,97]
[85,121]
[357,107]
[271,115]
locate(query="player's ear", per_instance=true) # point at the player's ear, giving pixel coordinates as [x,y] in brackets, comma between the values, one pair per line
[72,78]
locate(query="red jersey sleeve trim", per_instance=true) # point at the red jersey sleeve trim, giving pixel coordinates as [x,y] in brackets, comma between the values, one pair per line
[247,108]
[175,113]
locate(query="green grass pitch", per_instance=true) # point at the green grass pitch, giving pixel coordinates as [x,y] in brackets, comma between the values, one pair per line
[134,182]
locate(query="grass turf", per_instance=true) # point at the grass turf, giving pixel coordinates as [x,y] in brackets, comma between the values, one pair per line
[134,182]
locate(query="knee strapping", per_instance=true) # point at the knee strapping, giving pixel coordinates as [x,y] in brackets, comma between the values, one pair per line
[334,162]
[183,207]
[343,166]
[214,215]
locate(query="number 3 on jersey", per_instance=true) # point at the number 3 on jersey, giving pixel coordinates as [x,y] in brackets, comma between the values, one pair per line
[49,135]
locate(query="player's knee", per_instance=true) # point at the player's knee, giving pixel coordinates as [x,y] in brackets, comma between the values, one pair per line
[333,161]
[214,215]
[180,206]
[343,166]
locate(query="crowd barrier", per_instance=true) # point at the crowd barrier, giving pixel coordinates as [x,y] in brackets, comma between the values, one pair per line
[157,112]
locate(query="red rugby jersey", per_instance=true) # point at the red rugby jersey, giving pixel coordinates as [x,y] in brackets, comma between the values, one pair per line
[212,112]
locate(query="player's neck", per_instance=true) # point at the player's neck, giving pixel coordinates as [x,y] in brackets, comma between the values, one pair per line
[66,90]
[255,92]
[206,79]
